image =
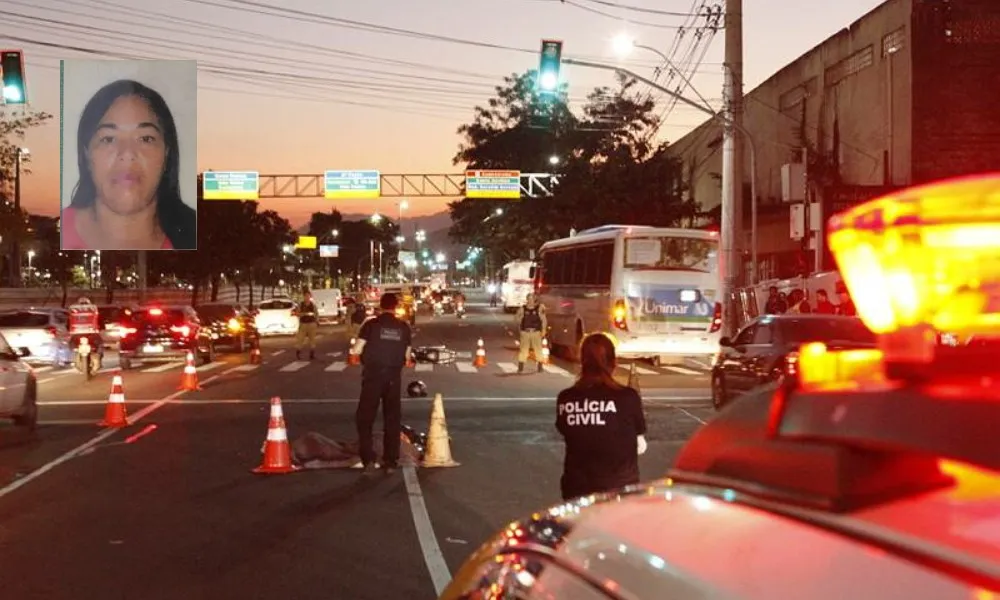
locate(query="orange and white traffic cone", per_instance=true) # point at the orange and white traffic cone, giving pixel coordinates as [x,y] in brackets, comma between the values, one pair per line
[352,357]
[189,379]
[277,451]
[545,351]
[114,410]
[480,360]
[255,357]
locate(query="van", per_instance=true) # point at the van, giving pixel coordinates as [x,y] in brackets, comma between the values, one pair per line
[328,303]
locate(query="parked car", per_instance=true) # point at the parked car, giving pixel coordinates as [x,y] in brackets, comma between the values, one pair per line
[230,324]
[18,388]
[165,333]
[277,316]
[42,332]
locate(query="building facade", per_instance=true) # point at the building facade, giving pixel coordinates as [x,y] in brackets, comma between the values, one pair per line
[902,96]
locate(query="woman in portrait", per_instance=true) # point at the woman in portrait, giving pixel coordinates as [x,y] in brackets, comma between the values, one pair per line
[128,196]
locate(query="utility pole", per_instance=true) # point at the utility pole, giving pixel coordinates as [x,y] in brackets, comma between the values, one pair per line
[732,163]
[142,271]
[15,243]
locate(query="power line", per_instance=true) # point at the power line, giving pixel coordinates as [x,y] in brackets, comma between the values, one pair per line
[615,17]
[641,9]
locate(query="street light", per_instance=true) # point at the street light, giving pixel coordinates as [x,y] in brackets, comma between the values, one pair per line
[376,218]
[553,160]
[623,45]
[335,233]
[440,257]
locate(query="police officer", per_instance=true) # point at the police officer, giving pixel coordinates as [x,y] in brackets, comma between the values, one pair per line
[358,315]
[602,423]
[307,327]
[532,325]
[384,345]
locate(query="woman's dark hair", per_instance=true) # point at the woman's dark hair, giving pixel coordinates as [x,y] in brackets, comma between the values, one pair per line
[178,221]
[597,362]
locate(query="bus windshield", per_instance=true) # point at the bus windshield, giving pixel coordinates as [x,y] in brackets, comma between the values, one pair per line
[672,254]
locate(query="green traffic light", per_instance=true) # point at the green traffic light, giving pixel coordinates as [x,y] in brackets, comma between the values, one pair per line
[548,69]
[12,72]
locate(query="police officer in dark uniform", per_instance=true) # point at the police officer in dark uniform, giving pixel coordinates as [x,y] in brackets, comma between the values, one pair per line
[384,345]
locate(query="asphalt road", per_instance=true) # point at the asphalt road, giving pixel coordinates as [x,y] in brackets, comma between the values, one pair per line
[168,508]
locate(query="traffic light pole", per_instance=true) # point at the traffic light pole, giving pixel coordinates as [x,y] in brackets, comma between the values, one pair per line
[729,225]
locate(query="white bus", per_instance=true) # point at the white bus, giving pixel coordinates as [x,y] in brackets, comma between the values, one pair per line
[655,291]
[517,280]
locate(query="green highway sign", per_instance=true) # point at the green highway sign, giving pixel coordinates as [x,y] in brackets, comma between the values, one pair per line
[230,185]
[493,184]
[352,184]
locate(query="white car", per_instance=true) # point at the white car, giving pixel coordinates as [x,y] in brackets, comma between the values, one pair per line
[18,388]
[41,335]
[277,316]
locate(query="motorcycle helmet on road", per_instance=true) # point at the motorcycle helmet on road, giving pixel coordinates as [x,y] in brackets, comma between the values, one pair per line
[416,389]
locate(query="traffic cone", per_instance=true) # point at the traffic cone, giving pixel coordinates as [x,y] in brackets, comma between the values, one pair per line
[633,378]
[438,453]
[545,351]
[114,410]
[255,357]
[189,379]
[352,358]
[480,360]
[277,451]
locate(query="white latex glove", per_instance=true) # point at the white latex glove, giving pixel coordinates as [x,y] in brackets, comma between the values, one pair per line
[641,440]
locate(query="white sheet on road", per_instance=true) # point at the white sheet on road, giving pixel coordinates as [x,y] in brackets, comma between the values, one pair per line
[163,367]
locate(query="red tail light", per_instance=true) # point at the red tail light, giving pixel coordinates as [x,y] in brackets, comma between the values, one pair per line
[52,331]
[792,364]
[156,312]
[184,330]
[618,315]
[716,318]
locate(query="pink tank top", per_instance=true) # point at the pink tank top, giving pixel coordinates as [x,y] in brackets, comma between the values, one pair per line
[71,238]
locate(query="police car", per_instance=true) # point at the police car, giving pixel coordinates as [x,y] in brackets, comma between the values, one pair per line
[873,474]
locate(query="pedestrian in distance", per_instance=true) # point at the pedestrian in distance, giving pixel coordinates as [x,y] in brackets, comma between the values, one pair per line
[358,315]
[532,325]
[306,334]
[384,345]
[602,423]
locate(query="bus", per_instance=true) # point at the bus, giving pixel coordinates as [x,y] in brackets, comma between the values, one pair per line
[655,291]
[517,280]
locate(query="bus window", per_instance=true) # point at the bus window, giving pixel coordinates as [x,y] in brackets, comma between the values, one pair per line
[678,253]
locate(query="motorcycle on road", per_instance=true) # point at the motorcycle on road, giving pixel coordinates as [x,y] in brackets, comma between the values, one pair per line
[460,310]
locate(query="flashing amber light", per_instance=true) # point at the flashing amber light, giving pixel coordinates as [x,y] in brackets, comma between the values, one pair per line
[618,314]
[234,324]
[924,259]
[819,367]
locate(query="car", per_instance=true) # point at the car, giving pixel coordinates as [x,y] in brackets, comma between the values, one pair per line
[873,472]
[277,316]
[18,388]
[164,333]
[766,349]
[230,324]
[43,333]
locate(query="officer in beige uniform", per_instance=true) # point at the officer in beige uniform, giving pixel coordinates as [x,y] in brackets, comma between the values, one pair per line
[532,325]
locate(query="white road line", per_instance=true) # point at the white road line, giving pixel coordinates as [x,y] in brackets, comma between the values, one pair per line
[162,368]
[277,352]
[645,371]
[212,401]
[46,380]
[97,439]
[692,415]
[433,557]
[683,370]
[209,366]
[41,369]
[464,367]
[245,368]
[423,367]
[557,370]
[294,366]
[336,366]
[507,367]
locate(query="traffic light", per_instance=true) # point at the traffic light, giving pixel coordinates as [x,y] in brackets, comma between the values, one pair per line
[548,69]
[12,75]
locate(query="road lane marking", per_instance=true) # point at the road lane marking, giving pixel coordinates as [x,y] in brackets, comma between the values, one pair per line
[162,368]
[277,352]
[556,370]
[423,367]
[209,366]
[84,447]
[683,370]
[245,368]
[336,366]
[670,399]
[508,368]
[429,547]
[294,366]
[464,367]
[691,414]
[41,369]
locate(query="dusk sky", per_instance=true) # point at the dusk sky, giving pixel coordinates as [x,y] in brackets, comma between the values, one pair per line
[336,111]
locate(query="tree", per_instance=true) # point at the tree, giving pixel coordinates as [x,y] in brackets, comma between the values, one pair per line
[609,169]
[13,223]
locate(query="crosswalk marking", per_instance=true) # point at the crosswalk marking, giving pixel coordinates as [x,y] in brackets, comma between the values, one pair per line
[163,367]
[336,366]
[507,367]
[683,370]
[294,366]
[557,370]
[42,369]
[423,367]
[464,367]
[208,367]
[246,368]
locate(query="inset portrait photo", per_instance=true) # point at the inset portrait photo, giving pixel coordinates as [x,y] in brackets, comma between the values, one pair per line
[128,134]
